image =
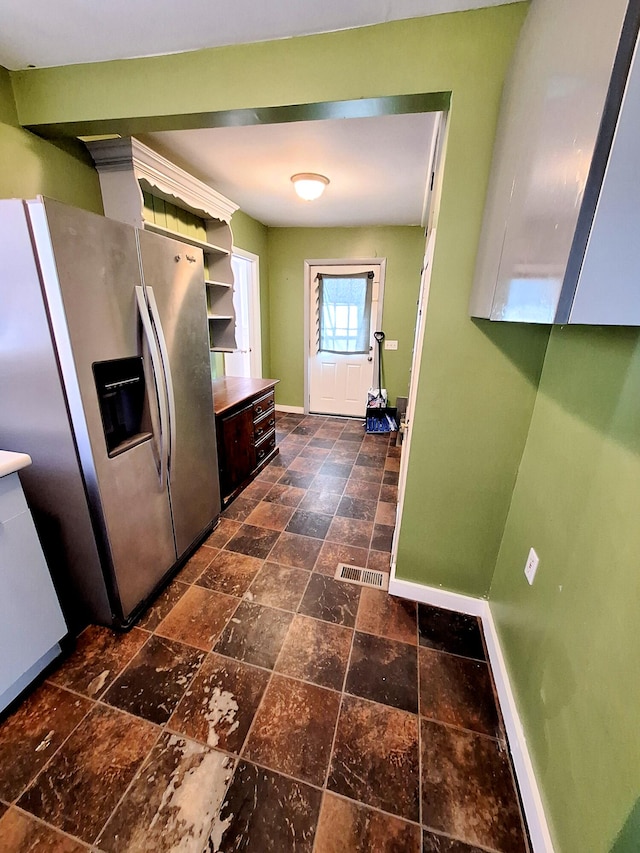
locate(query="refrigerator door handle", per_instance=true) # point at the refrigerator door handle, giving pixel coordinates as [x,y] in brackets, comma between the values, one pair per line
[164,353]
[158,373]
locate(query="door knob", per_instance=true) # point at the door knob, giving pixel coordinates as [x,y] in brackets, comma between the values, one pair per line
[369,358]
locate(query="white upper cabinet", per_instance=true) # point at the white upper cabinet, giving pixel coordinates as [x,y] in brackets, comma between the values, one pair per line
[563,179]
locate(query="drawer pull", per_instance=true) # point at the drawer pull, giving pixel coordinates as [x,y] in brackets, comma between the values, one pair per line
[258,410]
[260,431]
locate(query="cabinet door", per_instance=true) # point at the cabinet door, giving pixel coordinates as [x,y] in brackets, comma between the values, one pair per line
[607,291]
[550,118]
[238,455]
[31,621]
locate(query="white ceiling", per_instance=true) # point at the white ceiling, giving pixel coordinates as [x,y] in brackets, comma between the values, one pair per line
[378,167]
[63,32]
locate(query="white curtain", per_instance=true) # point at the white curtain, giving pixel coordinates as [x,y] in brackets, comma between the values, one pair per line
[344,312]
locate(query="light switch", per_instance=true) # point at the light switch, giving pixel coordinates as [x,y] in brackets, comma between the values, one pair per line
[391,344]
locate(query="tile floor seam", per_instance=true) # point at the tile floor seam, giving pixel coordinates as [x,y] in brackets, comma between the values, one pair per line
[368,450]
[342,695]
[275,606]
[384,636]
[191,645]
[57,829]
[457,838]
[241,754]
[290,677]
[236,760]
[140,717]
[451,654]
[375,809]
[241,751]
[103,704]
[52,825]
[176,733]
[413,714]
[110,683]
[56,751]
[127,789]
[458,728]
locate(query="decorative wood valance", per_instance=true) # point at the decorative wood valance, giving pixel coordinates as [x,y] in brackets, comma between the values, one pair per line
[159,175]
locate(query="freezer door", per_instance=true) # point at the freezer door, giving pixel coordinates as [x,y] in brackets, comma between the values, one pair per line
[90,269]
[174,280]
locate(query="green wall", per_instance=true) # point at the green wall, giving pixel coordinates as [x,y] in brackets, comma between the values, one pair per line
[30,166]
[403,247]
[253,236]
[572,640]
[477,386]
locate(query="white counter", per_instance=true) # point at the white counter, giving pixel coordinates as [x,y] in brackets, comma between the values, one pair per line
[11,462]
[31,621]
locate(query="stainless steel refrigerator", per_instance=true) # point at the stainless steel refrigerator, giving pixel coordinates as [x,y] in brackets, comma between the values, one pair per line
[105,382]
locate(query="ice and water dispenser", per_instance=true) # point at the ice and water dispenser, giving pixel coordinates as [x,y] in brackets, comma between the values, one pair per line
[120,384]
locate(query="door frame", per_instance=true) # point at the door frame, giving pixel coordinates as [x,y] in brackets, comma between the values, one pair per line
[335,262]
[425,284]
[255,313]
[432,212]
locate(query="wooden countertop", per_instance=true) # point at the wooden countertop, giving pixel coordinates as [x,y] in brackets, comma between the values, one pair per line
[229,391]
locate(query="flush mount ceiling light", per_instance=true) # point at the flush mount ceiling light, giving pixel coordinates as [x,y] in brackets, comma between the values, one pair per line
[308,185]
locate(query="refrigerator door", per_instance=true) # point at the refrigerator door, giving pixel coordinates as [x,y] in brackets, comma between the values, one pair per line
[90,269]
[173,278]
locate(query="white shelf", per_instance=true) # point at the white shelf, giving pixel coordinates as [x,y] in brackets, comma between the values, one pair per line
[207,248]
[221,349]
[218,283]
[220,316]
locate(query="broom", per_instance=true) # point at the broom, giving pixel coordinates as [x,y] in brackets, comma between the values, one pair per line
[379,417]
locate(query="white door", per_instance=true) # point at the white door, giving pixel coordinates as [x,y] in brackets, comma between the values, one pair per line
[345,310]
[423,298]
[247,359]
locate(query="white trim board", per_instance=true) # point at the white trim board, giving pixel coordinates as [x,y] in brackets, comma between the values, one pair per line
[531,799]
[437,597]
[293,410]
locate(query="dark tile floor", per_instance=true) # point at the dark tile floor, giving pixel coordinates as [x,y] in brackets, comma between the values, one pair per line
[261,705]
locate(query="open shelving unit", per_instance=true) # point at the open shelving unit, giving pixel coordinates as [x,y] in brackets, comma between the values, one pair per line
[145,189]
[207,248]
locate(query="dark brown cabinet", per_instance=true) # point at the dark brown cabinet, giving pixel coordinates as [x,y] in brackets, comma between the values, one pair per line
[245,425]
[236,449]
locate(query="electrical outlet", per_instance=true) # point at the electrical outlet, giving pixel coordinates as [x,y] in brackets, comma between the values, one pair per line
[391,344]
[531,566]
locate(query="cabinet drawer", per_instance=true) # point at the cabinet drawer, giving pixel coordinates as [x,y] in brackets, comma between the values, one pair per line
[263,405]
[264,425]
[265,447]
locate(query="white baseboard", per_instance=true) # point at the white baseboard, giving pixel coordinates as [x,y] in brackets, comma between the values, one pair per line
[294,410]
[529,791]
[433,595]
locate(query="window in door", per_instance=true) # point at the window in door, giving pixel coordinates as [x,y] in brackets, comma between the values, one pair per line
[344,313]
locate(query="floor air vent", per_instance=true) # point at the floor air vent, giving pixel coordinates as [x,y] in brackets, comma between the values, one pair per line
[363,577]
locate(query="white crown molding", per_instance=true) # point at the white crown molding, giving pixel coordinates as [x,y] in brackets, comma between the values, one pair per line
[119,155]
